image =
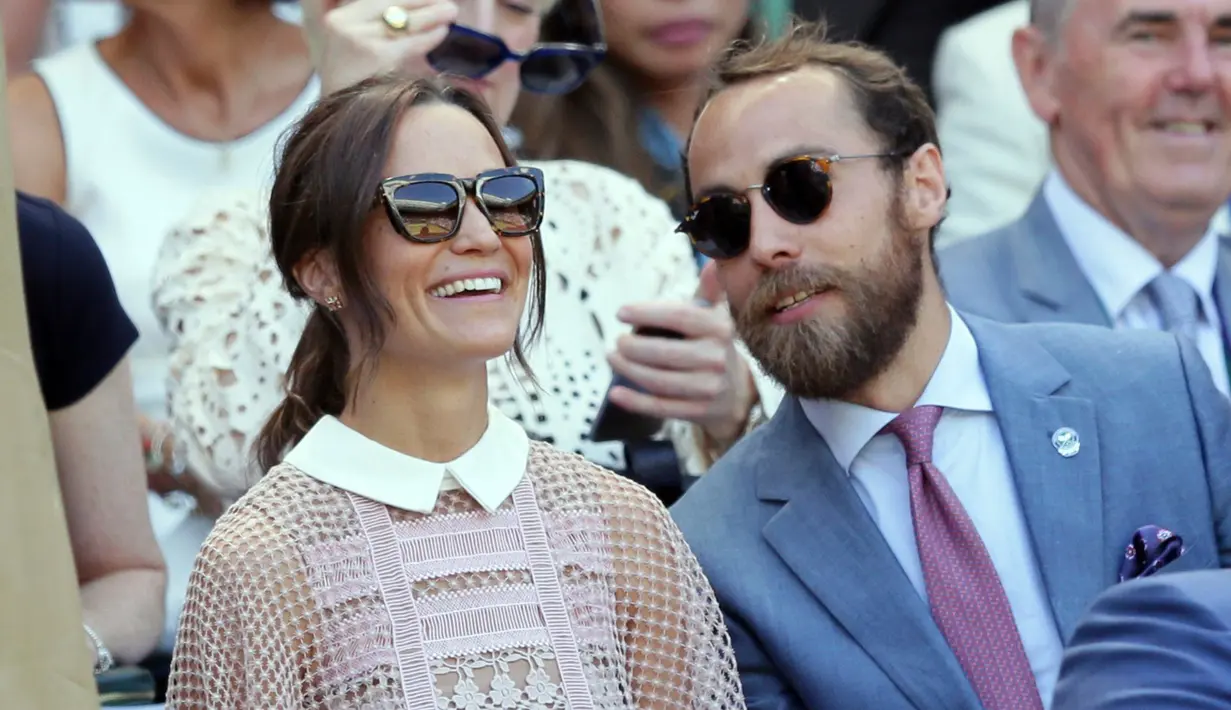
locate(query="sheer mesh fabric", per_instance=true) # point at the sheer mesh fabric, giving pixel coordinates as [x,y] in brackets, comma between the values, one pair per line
[578,592]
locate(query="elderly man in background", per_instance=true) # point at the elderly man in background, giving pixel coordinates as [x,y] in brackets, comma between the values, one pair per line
[1136,95]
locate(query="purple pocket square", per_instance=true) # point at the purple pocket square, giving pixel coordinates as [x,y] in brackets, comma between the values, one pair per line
[1151,549]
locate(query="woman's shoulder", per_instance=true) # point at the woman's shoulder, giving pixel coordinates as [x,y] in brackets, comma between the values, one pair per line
[283,508]
[570,476]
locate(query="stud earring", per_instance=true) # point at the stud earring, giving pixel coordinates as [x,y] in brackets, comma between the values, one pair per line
[334,303]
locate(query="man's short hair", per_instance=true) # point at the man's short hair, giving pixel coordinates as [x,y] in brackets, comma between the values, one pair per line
[893,106]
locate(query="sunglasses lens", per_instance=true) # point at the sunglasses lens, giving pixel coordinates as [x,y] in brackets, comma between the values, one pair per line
[798,190]
[427,209]
[467,53]
[720,226]
[556,71]
[512,203]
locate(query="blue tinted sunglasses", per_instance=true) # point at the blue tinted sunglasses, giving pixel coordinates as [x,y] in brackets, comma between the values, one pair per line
[547,68]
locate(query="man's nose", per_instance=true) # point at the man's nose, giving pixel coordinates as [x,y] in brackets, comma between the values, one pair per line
[772,242]
[1195,69]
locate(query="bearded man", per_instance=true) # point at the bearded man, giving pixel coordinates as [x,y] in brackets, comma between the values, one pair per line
[939,497]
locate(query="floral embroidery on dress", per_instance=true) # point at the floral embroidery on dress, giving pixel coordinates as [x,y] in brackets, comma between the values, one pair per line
[298,600]
[518,678]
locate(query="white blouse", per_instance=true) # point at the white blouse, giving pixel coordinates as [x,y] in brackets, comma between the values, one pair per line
[219,295]
[130,177]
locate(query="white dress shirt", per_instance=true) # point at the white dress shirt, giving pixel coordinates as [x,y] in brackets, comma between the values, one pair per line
[333,453]
[969,451]
[1119,268]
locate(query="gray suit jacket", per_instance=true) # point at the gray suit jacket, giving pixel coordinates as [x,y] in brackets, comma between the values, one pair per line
[1162,642]
[1025,272]
[820,612]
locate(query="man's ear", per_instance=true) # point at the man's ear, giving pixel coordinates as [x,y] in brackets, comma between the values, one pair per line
[1034,54]
[317,274]
[927,193]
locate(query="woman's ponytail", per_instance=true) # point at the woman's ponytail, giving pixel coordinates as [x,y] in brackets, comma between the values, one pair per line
[315,386]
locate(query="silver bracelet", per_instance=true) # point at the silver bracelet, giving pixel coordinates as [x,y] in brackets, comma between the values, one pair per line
[105,662]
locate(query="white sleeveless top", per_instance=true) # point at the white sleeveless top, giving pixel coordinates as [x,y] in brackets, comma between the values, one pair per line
[131,177]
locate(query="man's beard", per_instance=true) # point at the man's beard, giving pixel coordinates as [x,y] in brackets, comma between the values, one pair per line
[833,357]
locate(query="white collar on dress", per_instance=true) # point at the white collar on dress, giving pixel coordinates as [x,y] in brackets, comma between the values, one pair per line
[333,453]
[957,383]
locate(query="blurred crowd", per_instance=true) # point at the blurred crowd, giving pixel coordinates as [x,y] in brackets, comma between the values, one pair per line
[1064,161]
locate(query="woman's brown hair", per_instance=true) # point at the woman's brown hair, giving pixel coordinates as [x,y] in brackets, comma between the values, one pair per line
[323,195]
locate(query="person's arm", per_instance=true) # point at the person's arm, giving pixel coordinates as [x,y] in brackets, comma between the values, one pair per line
[208,669]
[102,481]
[250,625]
[79,338]
[24,22]
[1147,645]
[35,140]
[678,651]
[233,327]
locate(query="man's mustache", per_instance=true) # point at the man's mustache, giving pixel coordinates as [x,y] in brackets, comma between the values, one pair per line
[777,285]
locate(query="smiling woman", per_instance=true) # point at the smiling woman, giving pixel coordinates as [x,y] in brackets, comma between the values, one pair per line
[395,287]
[414,548]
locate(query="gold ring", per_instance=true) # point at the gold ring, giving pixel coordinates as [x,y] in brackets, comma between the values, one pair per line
[396,18]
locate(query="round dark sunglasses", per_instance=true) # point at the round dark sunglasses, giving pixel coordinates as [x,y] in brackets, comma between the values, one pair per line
[799,189]
[547,68]
[427,208]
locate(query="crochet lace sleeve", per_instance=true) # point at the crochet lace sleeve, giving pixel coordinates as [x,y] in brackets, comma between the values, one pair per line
[233,327]
[240,639]
[678,649]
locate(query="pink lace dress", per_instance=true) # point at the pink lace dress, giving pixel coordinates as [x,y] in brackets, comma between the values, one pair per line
[567,587]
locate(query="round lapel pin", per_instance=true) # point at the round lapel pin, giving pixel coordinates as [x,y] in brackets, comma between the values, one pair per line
[1066,442]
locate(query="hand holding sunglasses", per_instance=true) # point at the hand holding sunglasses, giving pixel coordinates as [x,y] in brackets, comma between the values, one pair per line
[798,189]
[358,41]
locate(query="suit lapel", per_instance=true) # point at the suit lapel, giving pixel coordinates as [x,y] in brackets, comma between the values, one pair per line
[1052,284]
[825,536]
[1062,498]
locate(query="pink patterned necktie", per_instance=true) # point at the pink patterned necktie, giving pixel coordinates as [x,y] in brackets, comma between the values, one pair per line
[967,600]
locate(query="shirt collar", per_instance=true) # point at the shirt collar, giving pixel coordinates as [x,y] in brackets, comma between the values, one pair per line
[1117,265]
[957,383]
[333,453]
